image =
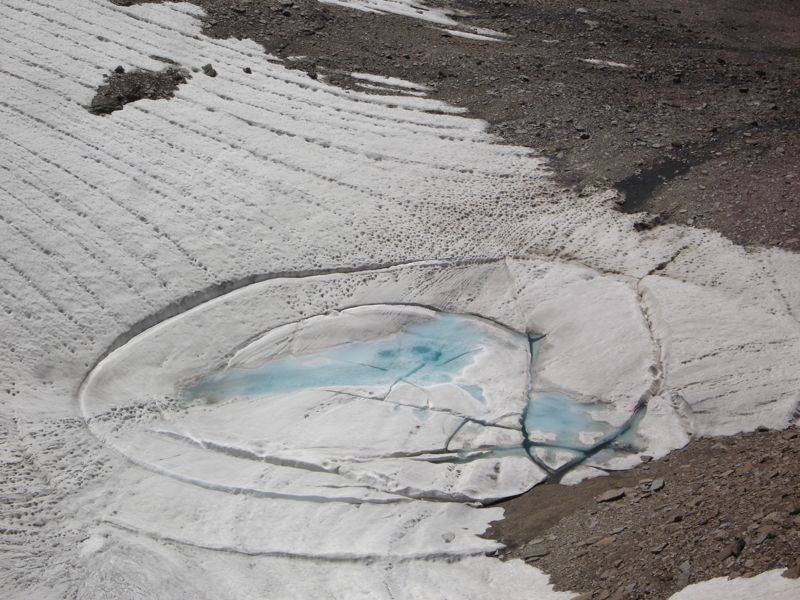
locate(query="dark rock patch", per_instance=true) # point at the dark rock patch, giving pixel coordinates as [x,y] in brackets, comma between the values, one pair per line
[122,87]
[718,507]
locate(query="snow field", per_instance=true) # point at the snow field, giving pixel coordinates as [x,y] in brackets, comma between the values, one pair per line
[118,233]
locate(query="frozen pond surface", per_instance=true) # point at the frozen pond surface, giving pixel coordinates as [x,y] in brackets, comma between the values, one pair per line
[562,418]
[427,360]
[422,354]
[374,400]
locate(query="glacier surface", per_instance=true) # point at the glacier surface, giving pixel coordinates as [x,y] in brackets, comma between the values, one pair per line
[154,261]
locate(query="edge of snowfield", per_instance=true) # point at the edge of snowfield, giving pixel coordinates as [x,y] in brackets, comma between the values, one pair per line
[108,221]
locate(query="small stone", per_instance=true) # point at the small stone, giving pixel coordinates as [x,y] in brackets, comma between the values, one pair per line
[793,572]
[608,574]
[774,516]
[733,549]
[764,533]
[590,541]
[657,485]
[535,553]
[119,70]
[209,70]
[657,549]
[617,530]
[645,458]
[606,541]
[248,70]
[611,495]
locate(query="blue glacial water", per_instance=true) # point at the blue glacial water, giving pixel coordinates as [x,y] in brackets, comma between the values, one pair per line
[423,354]
[555,413]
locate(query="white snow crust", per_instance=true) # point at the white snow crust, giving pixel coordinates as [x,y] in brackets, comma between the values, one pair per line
[416,9]
[606,63]
[142,250]
[766,586]
[395,82]
[484,36]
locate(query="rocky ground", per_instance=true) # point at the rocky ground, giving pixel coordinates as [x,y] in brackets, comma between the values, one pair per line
[698,127]
[718,507]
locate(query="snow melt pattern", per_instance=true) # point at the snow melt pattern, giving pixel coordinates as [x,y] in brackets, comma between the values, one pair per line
[439,16]
[163,242]
[421,405]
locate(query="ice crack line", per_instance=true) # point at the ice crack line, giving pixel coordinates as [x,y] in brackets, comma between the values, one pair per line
[334,557]
[394,495]
[447,411]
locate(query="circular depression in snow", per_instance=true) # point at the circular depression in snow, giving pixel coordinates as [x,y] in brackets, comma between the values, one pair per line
[370,406]
[378,403]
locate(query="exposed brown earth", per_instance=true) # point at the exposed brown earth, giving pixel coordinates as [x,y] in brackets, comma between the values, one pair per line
[718,507]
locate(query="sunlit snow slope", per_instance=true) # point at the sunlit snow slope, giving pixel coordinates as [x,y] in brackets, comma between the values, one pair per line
[174,233]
